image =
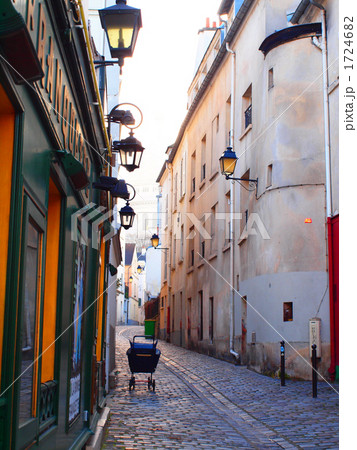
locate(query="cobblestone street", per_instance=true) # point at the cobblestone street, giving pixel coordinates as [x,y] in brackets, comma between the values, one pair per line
[202,402]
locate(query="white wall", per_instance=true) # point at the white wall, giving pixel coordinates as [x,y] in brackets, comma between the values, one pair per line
[153,271]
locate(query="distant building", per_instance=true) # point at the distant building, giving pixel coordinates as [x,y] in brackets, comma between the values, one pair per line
[145,206]
[131,301]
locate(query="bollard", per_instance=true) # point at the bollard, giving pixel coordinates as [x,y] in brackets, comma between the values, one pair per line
[282,363]
[314,371]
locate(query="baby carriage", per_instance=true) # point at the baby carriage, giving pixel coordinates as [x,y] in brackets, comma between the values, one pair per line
[143,358]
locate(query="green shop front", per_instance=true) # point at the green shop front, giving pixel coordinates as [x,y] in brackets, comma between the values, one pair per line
[53,275]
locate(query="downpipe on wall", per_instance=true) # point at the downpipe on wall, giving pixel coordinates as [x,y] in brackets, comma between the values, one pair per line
[328,182]
[232,200]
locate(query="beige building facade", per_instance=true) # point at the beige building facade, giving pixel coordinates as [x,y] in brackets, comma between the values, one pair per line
[248,262]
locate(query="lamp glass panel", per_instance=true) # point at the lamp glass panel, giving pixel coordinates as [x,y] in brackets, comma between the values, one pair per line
[228,165]
[120,36]
[138,155]
[126,219]
[155,242]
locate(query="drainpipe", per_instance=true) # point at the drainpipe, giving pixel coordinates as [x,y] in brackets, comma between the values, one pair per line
[158,214]
[332,368]
[326,109]
[168,260]
[232,200]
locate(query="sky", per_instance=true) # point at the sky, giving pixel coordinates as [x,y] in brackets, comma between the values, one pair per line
[157,77]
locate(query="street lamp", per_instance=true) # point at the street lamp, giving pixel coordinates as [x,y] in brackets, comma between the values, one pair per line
[129,149]
[127,214]
[155,242]
[228,162]
[121,24]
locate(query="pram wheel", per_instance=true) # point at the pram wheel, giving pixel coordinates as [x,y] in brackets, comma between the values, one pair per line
[132,383]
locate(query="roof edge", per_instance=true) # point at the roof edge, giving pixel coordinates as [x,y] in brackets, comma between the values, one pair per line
[300,11]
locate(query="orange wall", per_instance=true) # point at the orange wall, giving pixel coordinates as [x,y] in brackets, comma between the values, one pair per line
[51,280]
[7,125]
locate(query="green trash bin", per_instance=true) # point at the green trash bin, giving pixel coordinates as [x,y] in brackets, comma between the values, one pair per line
[150,327]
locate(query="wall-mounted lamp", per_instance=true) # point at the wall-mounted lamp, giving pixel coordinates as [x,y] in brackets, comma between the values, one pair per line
[228,162]
[139,269]
[117,188]
[129,149]
[131,152]
[130,278]
[155,241]
[127,214]
[121,24]
[17,46]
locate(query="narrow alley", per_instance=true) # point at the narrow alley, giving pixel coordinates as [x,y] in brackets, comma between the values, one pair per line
[202,402]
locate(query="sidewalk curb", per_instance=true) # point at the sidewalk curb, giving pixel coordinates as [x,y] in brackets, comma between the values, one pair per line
[96,441]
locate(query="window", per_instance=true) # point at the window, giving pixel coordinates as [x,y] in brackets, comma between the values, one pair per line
[244,204]
[203,158]
[191,247]
[166,210]
[193,172]
[202,240]
[173,250]
[213,229]
[271,78]
[203,173]
[288,311]
[228,122]
[203,244]
[29,322]
[210,326]
[165,265]
[181,178]
[227,219]
[175,190]
[247,107]
[189,317]
[200,328]
[173,314]
[269,175]
[214,144]
[182,238]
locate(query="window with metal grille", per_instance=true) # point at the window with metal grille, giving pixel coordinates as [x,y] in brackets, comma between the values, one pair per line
[247,108]
[248,116]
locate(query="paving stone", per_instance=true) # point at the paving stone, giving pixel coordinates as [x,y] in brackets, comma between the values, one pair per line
[202,402]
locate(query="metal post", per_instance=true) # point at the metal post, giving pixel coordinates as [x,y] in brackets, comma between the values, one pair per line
[314,371]
[282,363]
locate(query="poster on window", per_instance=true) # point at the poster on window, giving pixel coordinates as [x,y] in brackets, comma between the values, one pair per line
[76,359]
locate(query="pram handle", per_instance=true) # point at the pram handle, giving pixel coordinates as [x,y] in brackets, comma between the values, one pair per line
[146,336]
